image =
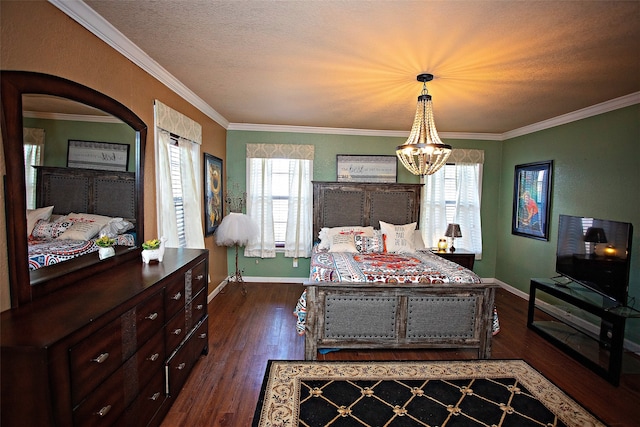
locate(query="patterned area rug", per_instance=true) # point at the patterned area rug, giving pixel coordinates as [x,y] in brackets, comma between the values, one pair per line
[444,394]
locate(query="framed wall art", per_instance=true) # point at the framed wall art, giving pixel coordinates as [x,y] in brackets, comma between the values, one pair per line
[532,200]
[97,155]
[213,193]
[356,168]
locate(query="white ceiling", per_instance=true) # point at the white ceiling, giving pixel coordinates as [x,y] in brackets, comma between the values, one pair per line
[498,65]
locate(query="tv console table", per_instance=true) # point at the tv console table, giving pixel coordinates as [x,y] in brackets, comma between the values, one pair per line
[603,353]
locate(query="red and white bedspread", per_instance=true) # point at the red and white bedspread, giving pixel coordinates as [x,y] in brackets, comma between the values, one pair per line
[418,267]
[46,252]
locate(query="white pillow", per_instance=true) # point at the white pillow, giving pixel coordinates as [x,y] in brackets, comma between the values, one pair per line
[80,230]
[343,242]
[101,220]
[33,215]
[326,233]
[399,238]
[418,243]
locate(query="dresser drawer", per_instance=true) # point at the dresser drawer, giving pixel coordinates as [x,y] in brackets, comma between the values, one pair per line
[150,359]
[174,297]
[104,405]
[199,341]
[142,410]
[94,359]
[178,368]
[175,331]
[198,278]
[149,317]
[197,309]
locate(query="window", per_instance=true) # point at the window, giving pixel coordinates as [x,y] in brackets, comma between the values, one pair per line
[279,199]
[452,195]
[176,190]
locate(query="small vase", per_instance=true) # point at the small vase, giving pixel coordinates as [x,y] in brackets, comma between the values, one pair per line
[106,252]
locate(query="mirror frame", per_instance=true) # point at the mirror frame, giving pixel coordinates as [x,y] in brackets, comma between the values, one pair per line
[13,84]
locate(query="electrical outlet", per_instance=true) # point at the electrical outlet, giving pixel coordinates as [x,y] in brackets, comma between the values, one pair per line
[295,262]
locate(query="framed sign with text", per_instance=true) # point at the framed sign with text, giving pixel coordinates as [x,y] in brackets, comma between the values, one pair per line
[97,155]
[357,168]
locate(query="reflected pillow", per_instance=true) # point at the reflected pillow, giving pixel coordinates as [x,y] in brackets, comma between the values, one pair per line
[80,230]
[101,220]
[398,238]
[33,215]
[51,230]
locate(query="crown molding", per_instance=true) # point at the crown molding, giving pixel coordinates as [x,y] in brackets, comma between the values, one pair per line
[594,110]
[96,24]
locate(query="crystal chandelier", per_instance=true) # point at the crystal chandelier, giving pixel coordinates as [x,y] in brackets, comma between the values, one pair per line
[423,153]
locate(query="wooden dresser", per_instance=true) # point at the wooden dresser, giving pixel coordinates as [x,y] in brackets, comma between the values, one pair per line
[115,349]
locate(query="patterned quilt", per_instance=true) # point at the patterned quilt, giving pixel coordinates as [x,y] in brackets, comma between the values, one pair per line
[418,267]
[53,251]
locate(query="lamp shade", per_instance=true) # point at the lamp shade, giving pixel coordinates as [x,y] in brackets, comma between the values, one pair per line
[236,229]
[453,230]
[595,235]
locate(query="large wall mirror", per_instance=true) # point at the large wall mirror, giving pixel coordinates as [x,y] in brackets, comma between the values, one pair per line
[108,141]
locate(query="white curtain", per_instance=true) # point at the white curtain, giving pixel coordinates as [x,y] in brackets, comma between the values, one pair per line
[433,218]
[260,208]
[299,230]
[170,126]
[33,139]
[299,224]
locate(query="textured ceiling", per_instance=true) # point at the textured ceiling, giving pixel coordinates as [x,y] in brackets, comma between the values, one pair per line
[498,65]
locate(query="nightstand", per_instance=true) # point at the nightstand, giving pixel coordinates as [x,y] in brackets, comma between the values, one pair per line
[462,257]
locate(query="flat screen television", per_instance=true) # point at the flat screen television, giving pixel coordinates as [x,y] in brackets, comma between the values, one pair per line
[596,253]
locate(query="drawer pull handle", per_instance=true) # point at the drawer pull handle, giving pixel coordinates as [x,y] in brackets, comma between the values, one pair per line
[200,277]
[152,316]
[199,307]
[154,357]
[181,366]
[177,331]
[203,336]
[101,358]
[177,296]
[155,396]
[103,411]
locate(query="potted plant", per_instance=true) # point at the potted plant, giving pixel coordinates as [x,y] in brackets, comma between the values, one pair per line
[105,247]
[153,250]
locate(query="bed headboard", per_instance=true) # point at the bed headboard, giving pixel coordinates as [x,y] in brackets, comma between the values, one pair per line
[100,192]
[347,203]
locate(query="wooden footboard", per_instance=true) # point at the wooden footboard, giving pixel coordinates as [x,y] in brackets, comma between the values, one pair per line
[376,315]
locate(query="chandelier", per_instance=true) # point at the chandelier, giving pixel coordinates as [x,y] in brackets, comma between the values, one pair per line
[423,153]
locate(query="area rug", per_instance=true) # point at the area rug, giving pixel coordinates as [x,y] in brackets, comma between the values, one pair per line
[489,393]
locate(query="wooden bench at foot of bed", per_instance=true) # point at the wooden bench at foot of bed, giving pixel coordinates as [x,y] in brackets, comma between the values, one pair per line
[402,316]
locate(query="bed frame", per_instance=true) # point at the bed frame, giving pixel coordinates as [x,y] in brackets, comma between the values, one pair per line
[375,315]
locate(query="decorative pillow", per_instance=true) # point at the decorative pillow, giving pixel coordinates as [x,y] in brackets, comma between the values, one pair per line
[343,242]
[33,215]
[398,238]
[101,220]
[80,230]
[418,243]
[51,230]
[326,233]
[115,227]
[369,245]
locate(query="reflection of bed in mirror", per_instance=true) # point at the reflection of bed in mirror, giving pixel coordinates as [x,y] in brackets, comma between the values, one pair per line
[76,206]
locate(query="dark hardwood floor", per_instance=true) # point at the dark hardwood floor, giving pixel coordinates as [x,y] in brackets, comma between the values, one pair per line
[245,332]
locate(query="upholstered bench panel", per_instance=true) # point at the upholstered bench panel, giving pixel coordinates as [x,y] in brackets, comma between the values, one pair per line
[360,317]
[441,317]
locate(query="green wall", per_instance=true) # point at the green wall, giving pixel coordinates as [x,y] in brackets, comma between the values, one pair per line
[324,169]
[596,173]
[59,132]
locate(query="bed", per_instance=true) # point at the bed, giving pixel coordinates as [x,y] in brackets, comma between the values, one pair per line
[389,292]
[74,208]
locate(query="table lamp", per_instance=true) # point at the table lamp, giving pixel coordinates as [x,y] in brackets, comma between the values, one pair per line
[453,231]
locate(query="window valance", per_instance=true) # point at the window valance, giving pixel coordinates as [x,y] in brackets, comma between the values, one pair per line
[33,136]
[280,151]
[461,155]
[177,123]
